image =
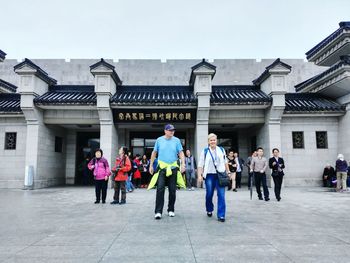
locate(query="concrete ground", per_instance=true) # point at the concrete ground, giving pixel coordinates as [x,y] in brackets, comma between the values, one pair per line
[64,225]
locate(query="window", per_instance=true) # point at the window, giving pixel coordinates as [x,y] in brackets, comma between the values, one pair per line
[321,140]
[298,140]
[58,144]
[10,140]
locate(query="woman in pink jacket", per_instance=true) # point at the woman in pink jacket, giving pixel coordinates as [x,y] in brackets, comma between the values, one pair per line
[101,172]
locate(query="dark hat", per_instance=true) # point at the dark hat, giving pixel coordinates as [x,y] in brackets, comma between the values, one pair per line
[169,127]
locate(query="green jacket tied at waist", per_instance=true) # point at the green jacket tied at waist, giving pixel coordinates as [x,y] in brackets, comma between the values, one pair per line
[168,166]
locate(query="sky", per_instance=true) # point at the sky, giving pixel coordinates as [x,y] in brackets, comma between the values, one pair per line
[162,29]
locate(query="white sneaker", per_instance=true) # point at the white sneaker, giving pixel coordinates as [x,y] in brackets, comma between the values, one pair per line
[158,216]
[171,214]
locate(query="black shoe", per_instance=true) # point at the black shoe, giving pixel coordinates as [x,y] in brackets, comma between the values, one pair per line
[221,219]
[97,201]
[103,201]
[279,199]
[114,202]
[260,198]
[209,214]
[234,190]
[122,202]
[267,199]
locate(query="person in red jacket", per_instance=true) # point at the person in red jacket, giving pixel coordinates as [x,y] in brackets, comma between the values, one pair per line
[121,168]
[137,173]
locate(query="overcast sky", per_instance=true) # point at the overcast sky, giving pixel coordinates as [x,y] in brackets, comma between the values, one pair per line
[162,29]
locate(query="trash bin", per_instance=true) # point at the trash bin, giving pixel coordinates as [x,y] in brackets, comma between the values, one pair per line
[29,177]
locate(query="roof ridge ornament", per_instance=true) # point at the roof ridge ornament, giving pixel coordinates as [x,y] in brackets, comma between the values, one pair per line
[103,63]
[268,71]
[39,72]
[211,70]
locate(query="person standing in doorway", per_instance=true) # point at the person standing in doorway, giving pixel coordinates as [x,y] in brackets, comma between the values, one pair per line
[276,164]
[191,168]
[258,166]
[341,166]
[250,174]
[233,168]
[169,149]
[239,169]
[137,171]
[121,168]
[144,172]
[101,172]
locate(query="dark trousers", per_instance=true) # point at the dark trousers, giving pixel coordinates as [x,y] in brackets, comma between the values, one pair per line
[170,181]
[250,179]
[119,186]
[260,178]
[101,185]
[238,179]
[144,178]
[278,183]
[137,182]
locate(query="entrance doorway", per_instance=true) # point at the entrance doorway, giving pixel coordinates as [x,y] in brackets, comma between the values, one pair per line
[87,143]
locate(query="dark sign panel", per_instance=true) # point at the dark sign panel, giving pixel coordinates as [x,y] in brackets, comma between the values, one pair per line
[149,115]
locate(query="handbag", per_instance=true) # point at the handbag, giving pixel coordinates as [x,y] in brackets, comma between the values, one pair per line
[223,178]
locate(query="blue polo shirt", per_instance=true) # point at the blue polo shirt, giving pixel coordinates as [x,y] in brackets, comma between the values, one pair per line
[168,149]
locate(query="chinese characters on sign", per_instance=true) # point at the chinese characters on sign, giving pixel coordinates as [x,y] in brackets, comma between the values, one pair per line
[154,116]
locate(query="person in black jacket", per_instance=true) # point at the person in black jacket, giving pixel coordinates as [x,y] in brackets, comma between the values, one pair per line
[276,164]
[328,176]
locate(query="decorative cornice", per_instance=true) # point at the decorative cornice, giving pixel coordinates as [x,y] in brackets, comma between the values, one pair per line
[307,84]
[205,64]
[102,63]
[39,72]
[10,87]
[269,70]
[343,27]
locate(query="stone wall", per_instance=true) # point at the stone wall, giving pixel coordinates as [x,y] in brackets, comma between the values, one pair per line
[12,161]
[304,167]
[156,72]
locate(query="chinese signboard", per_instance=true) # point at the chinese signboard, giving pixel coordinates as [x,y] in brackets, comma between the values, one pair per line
[149,115]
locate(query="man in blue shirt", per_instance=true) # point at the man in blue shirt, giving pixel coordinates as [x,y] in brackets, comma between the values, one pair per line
[169,149]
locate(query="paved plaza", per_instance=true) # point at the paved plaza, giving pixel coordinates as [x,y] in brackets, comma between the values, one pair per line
[64,225]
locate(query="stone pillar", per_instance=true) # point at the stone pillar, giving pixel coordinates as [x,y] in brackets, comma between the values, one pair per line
[34,82]
[201,79]
[106,83]
[273,82]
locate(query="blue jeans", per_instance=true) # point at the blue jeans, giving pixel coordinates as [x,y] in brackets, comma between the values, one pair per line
[129,185]
[212,182]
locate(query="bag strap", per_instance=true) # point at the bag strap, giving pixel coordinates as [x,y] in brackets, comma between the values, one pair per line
[213,160]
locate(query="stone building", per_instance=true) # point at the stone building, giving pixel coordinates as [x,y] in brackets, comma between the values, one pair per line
[54,113]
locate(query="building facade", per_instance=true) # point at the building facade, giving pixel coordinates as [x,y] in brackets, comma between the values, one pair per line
[54,113]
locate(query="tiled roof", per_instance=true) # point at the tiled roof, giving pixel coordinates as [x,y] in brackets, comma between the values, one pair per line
[154,95]
[344,60]
[310,102]
[10,87]
[68,94]
[266,73]
[40,73]
[10,103]
[2,55]
[327,40]
[114,75]
[242,95]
